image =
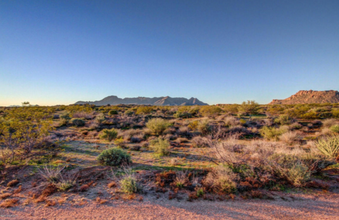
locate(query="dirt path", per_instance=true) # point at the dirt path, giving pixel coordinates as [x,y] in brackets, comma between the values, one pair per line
[301,207]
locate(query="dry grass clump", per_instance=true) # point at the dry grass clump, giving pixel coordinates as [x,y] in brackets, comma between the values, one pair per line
[290,137]
[174,161]
[231,121]
[327,123]
[199,141]
[181,179]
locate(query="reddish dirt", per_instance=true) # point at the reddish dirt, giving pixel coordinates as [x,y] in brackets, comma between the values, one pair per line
[322,206]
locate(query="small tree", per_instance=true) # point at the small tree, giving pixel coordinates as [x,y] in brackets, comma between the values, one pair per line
[249,107]
[109,134]
[157,125]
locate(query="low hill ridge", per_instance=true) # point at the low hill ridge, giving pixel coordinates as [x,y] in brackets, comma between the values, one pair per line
[159,101]
[309,97]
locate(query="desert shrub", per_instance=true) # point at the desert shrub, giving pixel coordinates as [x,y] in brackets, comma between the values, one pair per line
[231,109]
[160,147]
[78,122]
[113,112]
[283,120]
[85,115]
[108,134]
[65,115]
[129,113]
[272,133]
[199,141]
[184,131]
[335,112]
[210,111]
[144,110]
[298,175]
[289,137]
[335,128]
[129,184]
[181,179]
[204,127]
[249,107]
[329,122]
[63,122]
[221,179]
[157,125]
[21,132]
[120,142]
[114,157]
[290,167]
[100,118]
[275,109]
[193,125]
[310,115]
[329,146]
[184,114]
[295,126]
[231,121]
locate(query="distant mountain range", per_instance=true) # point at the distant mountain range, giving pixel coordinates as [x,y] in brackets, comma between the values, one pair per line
[160,101]
[310,96]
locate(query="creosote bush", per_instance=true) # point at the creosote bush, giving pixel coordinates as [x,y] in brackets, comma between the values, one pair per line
[335,128]
[114,157]
[109,134]
[329,146]
[157,125]
[272,133]
[78,122]
[221,179]
[160,147]
[129,183]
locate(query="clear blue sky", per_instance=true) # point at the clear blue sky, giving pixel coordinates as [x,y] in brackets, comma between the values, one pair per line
[60,52]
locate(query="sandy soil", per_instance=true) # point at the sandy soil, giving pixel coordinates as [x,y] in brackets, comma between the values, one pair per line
[323,206]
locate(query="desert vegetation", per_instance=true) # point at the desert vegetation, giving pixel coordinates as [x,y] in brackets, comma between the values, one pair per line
[99,153]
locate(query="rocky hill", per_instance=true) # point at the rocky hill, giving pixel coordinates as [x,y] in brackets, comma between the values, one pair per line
[310,96]
[161,101]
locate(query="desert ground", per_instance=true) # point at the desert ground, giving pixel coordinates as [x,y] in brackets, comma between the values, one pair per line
[244,161]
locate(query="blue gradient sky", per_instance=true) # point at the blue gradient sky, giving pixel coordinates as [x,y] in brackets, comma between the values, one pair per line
[60,52]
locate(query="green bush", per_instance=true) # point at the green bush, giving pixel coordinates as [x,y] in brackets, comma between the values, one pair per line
[108,134]
[204,127]
[129,184]
[114,157]
[335,112]
[78,122]
[272,133]
[144,110]
[210,111]
[113,112]
[335,128]
[65,116]
[249,107]
[160,147]
[129,112]
[329,146]
[283,120]
[157,125]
